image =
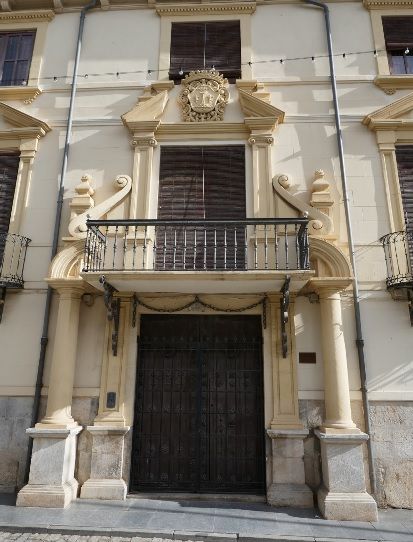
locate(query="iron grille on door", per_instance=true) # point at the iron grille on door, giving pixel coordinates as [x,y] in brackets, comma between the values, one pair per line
[199,423]
[201,183]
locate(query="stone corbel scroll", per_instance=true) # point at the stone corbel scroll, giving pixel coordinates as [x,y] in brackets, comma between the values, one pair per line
[320,223]
[77,226]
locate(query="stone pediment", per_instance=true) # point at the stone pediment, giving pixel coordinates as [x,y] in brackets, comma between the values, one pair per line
[16,122]
[147,117]
[397,115]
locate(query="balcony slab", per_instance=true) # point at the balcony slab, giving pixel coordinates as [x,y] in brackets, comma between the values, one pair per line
[200,282]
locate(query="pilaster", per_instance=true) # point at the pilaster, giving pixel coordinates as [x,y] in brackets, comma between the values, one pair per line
[112,386]
[285,404]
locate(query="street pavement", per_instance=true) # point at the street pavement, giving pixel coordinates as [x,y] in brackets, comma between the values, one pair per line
[161,520]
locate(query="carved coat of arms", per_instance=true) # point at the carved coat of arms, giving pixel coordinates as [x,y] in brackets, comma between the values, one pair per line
[204,96]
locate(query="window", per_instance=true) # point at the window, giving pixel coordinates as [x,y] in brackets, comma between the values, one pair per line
[201,183]
[9,165]
[199,45]
[398,34]
[404,157]
[16,50]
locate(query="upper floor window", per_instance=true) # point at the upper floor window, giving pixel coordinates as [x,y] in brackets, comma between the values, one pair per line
[205,45]
[9,165]
[16,50]
[404,158]
[398,34]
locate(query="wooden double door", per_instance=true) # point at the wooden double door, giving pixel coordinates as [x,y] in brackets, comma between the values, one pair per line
[199,424]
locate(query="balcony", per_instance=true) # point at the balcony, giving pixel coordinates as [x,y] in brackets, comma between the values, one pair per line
[12,257]
[398,252]
[197,256]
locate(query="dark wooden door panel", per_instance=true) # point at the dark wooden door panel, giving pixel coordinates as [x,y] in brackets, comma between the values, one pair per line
[199,407]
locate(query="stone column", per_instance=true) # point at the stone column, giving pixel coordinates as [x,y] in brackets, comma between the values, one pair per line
[343,495]
[51,480]
[287,434]
[336,385]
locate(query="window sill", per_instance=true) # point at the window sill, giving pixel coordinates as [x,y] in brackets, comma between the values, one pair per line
[391,83]
[27,94]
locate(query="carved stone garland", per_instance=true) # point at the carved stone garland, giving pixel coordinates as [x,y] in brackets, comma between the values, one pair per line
[203,96]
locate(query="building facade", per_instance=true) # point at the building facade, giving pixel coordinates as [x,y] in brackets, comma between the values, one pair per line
[191,328]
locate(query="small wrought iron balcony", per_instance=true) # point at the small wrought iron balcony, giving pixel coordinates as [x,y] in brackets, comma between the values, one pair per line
[398,251]
[13,249]
[196,245]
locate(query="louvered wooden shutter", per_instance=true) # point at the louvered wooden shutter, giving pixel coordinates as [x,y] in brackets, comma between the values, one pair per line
[398,31]
[201,183]
[16,50]
[8,175]
[404,156]
[196,46]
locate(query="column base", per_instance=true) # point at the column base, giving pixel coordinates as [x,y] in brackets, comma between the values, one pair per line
[51,480]
[343,495]
[347,506]
[288,487]
[105,480]
[298,495]
[105,489]
[48,496]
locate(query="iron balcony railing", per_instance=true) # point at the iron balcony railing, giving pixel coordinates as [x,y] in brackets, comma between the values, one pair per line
[13,249]
[398,251]
[196,245]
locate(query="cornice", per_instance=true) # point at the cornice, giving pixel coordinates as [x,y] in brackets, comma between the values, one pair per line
[387,4]
[22,133]
[27,94]
[391,83]
[233,8]
[38,16]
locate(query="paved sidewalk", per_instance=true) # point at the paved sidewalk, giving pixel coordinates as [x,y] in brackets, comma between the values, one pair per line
[209,521]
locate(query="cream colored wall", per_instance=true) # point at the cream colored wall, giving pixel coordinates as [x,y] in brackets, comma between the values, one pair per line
[129,40]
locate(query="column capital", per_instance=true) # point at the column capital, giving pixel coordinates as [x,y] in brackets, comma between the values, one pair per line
[69,289]
[327,286]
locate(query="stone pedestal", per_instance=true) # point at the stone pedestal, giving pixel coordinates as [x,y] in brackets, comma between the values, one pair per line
[51,481]
[343,495]
[106,480]
[288,486]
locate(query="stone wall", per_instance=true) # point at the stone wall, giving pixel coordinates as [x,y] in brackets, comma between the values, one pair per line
[392,430]
[15,417]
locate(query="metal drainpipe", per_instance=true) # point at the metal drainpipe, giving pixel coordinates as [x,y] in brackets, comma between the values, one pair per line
[46,318]
[356,296]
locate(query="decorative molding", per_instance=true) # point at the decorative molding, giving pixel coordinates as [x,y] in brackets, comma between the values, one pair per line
[150,109]
[20,119]
[235,8]
[391,83]
[77,226]
[203,96]
[27,94]
[206,130]
[320,223]
[252,106]
[388,117]
[387,4]
[26,16]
